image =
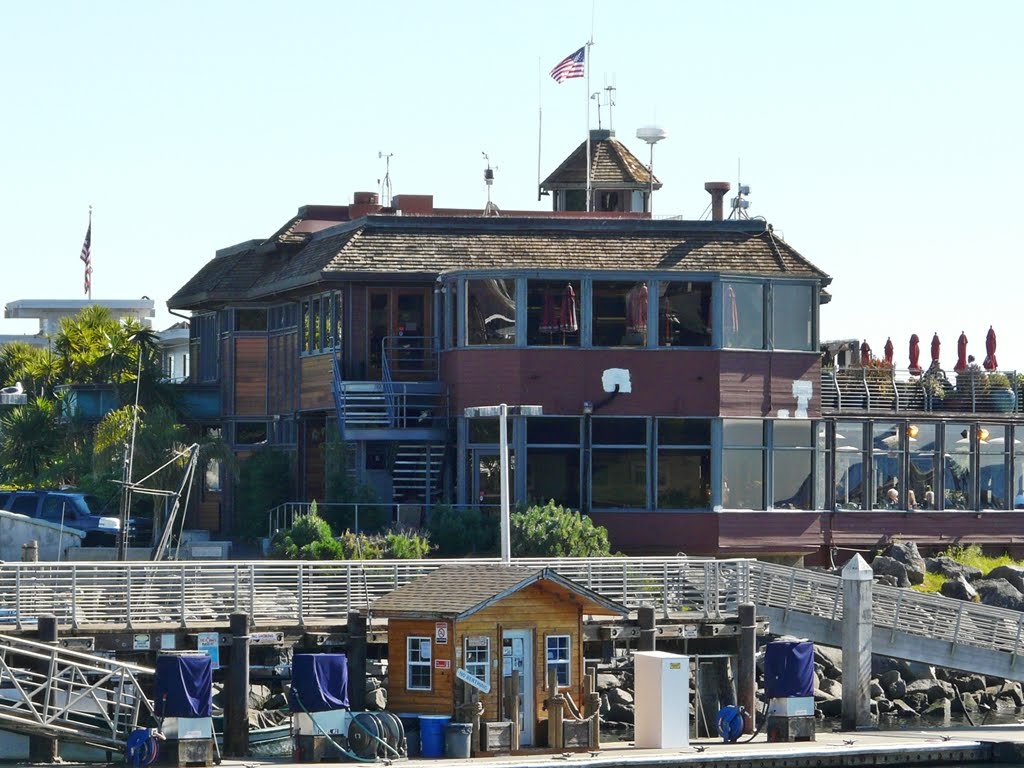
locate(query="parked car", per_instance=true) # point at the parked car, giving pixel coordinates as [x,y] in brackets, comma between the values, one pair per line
[71,509]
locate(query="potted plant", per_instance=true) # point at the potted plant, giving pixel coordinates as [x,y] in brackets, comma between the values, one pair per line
[1000,392]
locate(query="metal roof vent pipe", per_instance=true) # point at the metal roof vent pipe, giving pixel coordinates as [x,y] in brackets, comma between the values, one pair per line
[718,191]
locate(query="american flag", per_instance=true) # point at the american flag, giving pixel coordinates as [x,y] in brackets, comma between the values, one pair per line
[87,257]
[571,66]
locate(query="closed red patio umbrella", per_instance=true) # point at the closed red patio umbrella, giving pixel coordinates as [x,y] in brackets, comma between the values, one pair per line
[865,354]
[915,355]
[636,309]
[936,345]
[567,317]
[961,353]
[990,350]
[888,351]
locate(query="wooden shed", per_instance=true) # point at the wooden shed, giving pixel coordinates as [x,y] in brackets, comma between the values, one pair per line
[487,620]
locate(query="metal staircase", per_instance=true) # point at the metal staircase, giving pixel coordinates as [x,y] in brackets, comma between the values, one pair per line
[416,474]
[50,691]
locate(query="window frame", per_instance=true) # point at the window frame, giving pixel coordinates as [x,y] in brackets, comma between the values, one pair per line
[558,663]
[469,666]
[419,663]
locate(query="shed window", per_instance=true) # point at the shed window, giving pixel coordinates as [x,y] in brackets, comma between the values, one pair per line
[417,664]
[478,658]
[559,648]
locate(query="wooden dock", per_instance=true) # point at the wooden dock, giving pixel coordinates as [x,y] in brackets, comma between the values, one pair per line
[939,746]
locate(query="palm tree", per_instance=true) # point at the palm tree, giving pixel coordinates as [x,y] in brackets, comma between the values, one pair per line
[29,439]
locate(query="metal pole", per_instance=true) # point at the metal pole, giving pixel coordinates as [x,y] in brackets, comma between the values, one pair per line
[506,537]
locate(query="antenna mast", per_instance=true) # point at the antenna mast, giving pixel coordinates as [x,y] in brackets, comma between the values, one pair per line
[740,202]
[385,185]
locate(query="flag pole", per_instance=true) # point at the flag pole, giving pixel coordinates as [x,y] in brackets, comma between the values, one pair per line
[586,94]
[88,266]
[540,123]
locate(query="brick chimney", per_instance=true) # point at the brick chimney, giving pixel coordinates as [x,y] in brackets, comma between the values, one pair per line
[363,203]
[717,190]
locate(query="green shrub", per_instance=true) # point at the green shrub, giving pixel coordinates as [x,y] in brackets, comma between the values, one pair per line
[554,531]
[461,531]
[407,545]
[310,538]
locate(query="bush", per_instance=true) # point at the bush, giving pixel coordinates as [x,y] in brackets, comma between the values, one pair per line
[554,531]
[310,538]
[461,531]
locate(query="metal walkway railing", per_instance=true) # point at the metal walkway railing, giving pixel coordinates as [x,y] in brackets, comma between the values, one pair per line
[907,624]
[200,594]
[50,691]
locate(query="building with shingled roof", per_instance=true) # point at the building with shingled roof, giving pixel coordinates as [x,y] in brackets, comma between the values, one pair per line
[488,621]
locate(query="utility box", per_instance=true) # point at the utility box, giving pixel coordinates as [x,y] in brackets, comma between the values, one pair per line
[661,699]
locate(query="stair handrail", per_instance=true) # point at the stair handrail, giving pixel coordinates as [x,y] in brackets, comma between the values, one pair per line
[387,382]
[339,395]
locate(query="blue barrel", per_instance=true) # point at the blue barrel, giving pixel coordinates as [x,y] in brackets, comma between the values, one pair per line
[432,734]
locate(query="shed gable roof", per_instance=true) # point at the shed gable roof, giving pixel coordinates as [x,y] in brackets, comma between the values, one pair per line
[457,591]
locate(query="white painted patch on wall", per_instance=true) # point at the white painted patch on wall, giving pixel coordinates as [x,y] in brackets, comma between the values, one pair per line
[802,391]
[613,376]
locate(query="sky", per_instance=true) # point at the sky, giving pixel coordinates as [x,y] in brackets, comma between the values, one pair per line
[880,139]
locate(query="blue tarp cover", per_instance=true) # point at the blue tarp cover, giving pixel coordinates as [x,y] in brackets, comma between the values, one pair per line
[184,686]
[789,669]
[319,682]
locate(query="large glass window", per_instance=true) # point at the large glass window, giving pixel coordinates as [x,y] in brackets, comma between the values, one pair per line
[684,314]
[552,313]
[792,316]
[417,664]
[321,323]
[251,319]
[850,465]
[743,464]
[491,311]
[618,463]
[887,463]
[921,474]
[743,321]
[619,314]
[956,470]
[993,480]
[1018,468]
[793,464]
[684,464]
[553,463]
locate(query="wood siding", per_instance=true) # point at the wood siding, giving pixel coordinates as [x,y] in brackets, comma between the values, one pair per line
[315,392]
[761,383]
[250,379]
[355,333]
[661,533]
[439,700]
[312,468]
[283,373]
[544,611]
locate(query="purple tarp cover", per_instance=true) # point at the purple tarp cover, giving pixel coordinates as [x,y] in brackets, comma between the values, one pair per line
[319,682]
[789,669]
[184,686]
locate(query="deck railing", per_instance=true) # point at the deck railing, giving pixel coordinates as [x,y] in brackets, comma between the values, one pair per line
[281,594]
[871,388]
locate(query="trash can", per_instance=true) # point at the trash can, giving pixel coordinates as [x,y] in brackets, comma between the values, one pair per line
[432,734]
[458,740]
[411,725]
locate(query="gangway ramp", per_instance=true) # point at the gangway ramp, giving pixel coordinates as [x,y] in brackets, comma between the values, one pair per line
[50,691]
[906,624]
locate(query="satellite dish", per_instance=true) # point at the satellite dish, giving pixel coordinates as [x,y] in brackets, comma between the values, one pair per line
[652,134]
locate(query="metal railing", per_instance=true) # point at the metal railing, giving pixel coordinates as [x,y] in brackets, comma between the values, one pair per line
[870,388]
[196,594]
[355,516]
[904,611]
[70,695]
[409,357]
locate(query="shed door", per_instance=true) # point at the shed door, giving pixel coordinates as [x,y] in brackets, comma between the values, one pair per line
[517,654]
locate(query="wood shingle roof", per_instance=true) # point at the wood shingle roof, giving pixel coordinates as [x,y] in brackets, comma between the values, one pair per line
[611,165]
[457,591]
[410,247]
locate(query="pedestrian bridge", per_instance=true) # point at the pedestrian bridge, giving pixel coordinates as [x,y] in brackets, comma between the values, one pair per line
[112,597]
